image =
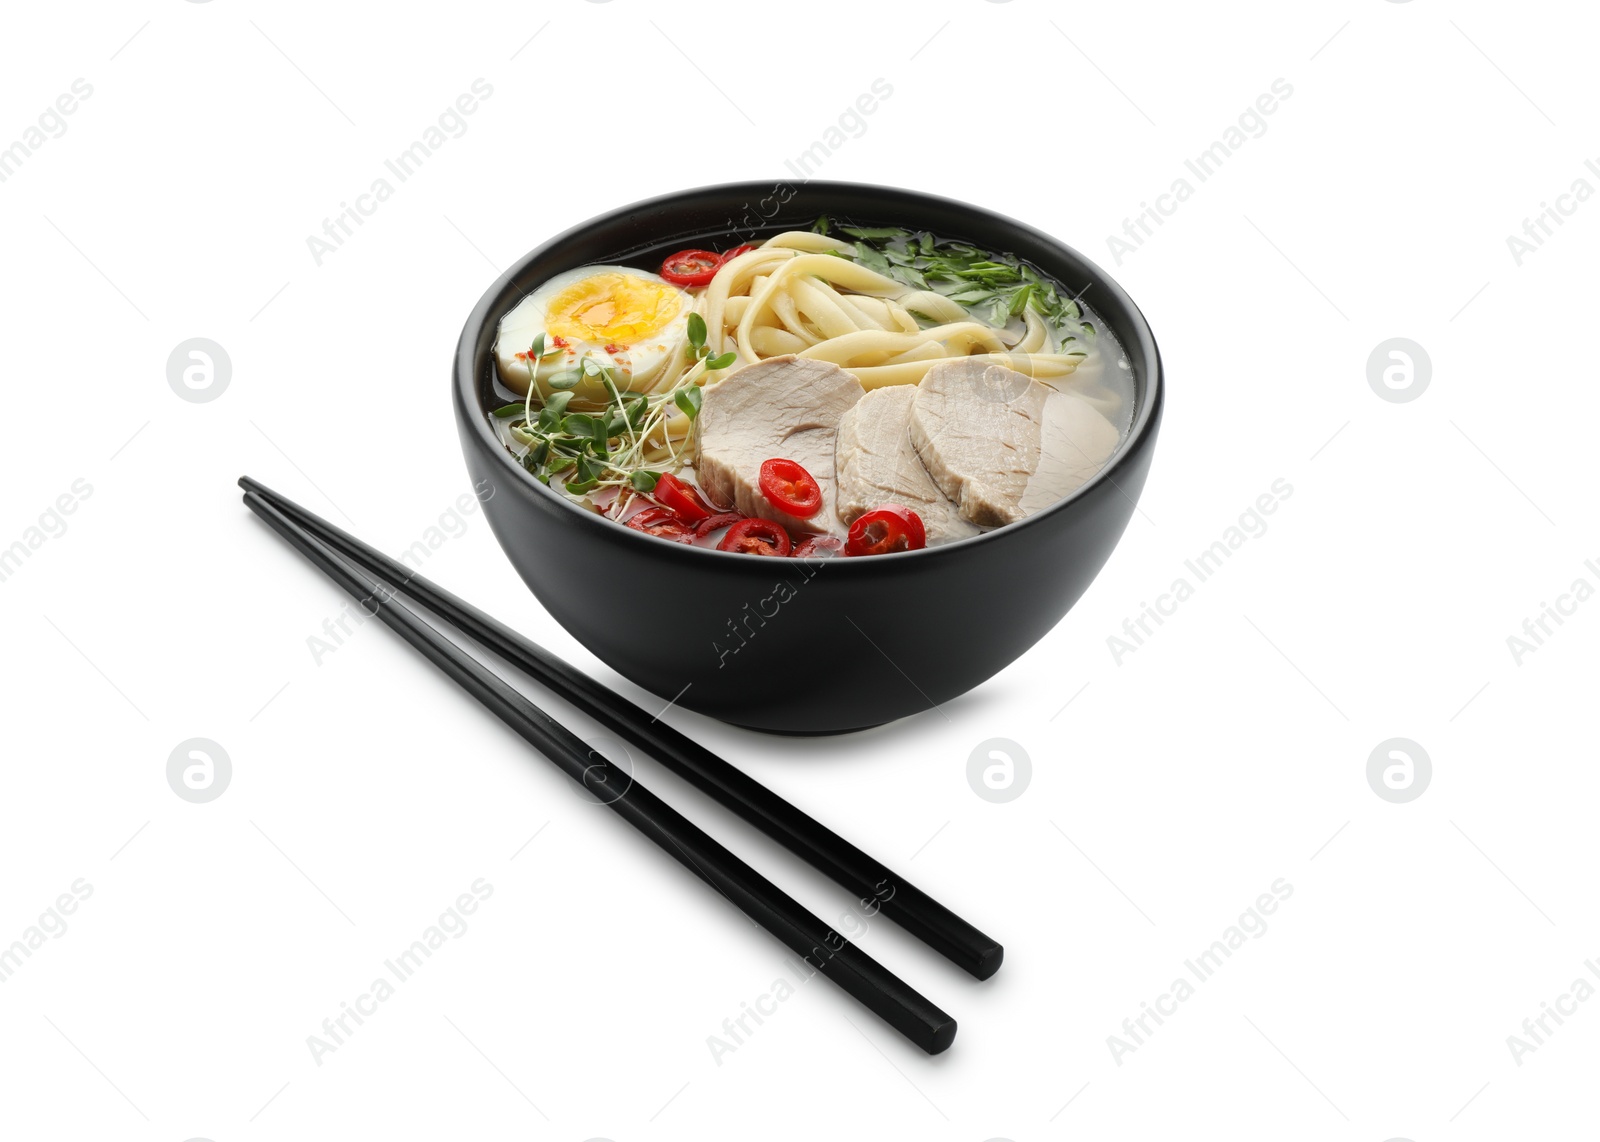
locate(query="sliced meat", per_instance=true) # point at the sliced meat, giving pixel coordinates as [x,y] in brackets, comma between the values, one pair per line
[877,464]
[1075,444]
[786,407]
[1001,444]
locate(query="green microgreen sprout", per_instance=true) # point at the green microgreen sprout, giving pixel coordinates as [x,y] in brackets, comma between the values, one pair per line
[698,350]
[608,447]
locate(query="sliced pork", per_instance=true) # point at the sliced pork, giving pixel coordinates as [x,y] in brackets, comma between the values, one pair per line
[787,407]
[877,464]
[1001,444]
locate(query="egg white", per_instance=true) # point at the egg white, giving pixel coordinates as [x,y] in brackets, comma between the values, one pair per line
[636,365]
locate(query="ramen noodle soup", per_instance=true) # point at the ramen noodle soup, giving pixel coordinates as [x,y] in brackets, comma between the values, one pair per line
[846,390]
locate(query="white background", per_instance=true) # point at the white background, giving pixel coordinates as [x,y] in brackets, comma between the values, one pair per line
[1226,752]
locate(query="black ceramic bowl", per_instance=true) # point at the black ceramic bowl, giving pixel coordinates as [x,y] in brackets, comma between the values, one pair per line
[780,644]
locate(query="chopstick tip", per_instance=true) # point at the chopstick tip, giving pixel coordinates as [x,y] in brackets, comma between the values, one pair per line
[990,961]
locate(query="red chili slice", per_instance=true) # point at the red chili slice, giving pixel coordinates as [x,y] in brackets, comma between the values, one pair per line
[818,545]
[737,250]
[885,529]
[790,488]
[691,267]
[756,537]
[661,523]
[711,523]
[685,502]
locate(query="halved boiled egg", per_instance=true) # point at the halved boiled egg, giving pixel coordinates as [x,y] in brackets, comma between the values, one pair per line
[624,319]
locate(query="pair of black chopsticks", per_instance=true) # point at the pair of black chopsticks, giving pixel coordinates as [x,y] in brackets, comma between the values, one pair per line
[376,581]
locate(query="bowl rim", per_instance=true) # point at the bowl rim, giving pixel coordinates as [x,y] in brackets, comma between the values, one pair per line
[1150,390]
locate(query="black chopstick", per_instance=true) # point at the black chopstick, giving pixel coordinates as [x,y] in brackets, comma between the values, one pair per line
[877,886]
[882,992]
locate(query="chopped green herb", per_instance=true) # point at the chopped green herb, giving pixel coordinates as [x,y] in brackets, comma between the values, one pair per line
[992,287]
[872,259]
[874,231]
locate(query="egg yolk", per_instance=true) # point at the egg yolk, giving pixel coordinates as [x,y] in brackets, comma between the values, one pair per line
[612,307]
